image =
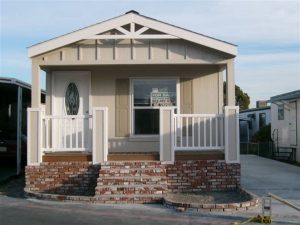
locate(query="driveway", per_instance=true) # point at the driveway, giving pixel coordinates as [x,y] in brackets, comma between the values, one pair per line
[261,175]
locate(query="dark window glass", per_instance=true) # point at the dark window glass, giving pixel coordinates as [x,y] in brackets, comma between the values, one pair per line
[262,120]
[281,112]
[72,99]
[146,121]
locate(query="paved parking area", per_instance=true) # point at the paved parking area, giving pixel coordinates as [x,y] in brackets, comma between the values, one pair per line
[261,175]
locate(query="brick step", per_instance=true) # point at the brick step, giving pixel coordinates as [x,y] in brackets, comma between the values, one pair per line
[132,172]
[131,180]
[130,190]
[131,164]
[134,198]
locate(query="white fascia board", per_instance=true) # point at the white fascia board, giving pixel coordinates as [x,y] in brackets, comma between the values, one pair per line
[78,35]
[186,35]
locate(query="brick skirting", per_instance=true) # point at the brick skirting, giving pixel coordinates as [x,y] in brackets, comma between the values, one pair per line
[65,178]
[132,182]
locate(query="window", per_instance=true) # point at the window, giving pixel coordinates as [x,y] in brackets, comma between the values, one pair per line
[281,112]
[72,99]
[262,120]
[149,95]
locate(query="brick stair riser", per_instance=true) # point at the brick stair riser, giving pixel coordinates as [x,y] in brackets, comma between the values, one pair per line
[129,182]
[131,190]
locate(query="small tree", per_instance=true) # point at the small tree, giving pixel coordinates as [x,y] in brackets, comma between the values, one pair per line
[263,135]
[242,99]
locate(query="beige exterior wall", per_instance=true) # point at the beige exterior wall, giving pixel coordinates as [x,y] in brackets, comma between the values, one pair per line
[206,95]
[90,52]
[283,125]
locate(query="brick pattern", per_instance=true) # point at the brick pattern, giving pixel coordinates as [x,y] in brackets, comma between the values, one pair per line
[132,182]
[238,206]
[129,182]
[65,178]
[203,175]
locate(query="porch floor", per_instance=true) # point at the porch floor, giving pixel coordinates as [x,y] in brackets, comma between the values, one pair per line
[131,156]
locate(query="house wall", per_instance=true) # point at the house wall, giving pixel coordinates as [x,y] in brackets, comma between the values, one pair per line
[283,125]
[207,94]
[111,52]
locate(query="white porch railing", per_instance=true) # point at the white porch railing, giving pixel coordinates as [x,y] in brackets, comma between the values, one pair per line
[198,132]
[67,133]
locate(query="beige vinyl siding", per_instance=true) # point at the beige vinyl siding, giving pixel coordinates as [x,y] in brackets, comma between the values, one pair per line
[91,52]
[122,107]
[186,95]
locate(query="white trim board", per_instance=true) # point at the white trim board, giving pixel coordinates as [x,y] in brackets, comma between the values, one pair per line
[129,18]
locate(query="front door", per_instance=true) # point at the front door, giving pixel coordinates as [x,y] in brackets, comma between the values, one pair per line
[293,123]
[70,108]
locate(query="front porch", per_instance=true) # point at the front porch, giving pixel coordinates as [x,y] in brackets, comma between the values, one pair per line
[181,137]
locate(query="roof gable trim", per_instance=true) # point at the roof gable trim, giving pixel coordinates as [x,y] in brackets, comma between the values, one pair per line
[170,32]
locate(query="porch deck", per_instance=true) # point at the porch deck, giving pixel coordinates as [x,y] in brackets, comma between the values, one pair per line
[130,156]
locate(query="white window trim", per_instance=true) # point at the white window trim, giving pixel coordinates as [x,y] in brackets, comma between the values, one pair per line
[131,102]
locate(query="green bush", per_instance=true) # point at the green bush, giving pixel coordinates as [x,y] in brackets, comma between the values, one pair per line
[264,134]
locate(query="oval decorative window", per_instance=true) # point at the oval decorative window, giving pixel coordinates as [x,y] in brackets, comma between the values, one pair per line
[72,99]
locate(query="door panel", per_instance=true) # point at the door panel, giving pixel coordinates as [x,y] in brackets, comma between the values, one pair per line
[71,133]
[293,123]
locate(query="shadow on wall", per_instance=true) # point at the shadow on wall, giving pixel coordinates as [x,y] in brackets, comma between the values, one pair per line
[64,178]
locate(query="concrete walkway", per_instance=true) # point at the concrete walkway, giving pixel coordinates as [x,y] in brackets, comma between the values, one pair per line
[261,175]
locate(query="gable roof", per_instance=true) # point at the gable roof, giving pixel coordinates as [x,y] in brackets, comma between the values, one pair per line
[127,18]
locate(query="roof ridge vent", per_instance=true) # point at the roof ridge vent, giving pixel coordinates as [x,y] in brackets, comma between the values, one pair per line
[133,11]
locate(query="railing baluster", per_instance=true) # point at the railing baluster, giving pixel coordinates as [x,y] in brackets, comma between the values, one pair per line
[64,134]
[82,135]
[187,131]
[199,131]
[76,131]
[175,133]
[46,134]
[204,123]
[210,131]
[217,136]
[71,133]
[193,132]
[180,131]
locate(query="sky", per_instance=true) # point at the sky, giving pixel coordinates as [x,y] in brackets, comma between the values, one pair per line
[267,33]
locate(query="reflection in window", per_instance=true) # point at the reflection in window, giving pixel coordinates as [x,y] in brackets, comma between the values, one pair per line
[148,96]
[72,99]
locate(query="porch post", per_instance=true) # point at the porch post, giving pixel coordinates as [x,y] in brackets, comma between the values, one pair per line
[166,132]
[36,86]
[231,117]
[230,83]
[100,141]
[34,119]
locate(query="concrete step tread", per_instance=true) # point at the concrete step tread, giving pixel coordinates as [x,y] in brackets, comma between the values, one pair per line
[132,168]
[130,177]
[131,196]
[132,186]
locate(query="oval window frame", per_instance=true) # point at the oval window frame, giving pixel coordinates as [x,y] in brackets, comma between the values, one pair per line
[71,110]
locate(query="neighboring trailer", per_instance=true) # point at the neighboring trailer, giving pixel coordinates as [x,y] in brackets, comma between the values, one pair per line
[15,99]
[285,125]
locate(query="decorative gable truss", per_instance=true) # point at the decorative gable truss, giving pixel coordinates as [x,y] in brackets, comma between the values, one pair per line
[132,31]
